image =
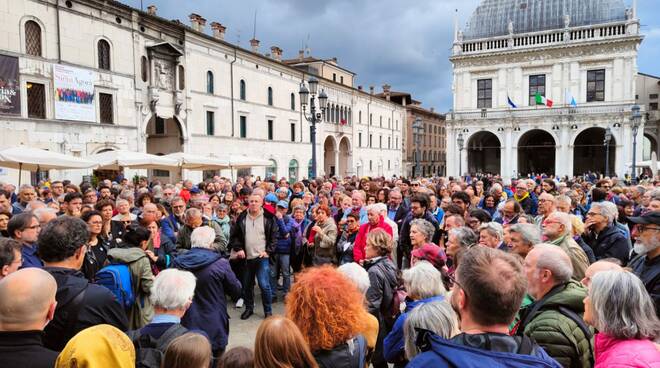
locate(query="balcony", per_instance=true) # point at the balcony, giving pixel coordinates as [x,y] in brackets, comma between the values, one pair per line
[541,111]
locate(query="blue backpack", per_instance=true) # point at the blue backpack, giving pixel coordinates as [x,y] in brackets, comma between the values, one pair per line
[117,278]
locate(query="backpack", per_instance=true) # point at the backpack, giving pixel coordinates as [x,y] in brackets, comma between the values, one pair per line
[149,352]
[117,278]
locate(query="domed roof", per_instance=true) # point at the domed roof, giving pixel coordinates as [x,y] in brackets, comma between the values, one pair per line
[492,17]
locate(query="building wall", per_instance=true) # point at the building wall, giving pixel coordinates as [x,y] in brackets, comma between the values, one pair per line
[648,90]
[432,143]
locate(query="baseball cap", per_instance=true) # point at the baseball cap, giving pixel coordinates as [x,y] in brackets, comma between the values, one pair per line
[195,190]
[283,204]
[652,217]
[432,254]
[270,197]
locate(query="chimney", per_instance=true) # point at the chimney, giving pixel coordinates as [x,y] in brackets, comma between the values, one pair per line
[432,109]
[218,30]
[359,88]
[197,22]
[255,45]
[301,54]
[276,52]
[371,90]
[151,9]
[386,91]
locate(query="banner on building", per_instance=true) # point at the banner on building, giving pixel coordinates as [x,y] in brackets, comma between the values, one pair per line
[10,91]
[74,93]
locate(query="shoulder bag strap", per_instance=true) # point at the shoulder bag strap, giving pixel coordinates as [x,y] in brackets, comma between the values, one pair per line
[167,336]
[583,327]
[74,309]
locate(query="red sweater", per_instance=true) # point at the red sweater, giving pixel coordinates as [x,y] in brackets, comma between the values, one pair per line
[361,239]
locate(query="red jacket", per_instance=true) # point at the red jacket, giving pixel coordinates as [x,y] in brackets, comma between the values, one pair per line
[361,239]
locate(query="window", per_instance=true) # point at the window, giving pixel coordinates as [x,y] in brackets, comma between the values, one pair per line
[104,54]
[370,140]
[270,130]
[209,82]
[389,166]
[341,79]
[161,173]
[396,145]
[106,111]
[360,139]
[381,121]
[293,170]
[653,106]
[293,132]
[160,125]
[243,90]
[270,96]
[32,38]
[145,69]
[596,85]
[380,141]
[536,84]
[334,77]
[371,166]
[371,119]
[359,117]
[350,116]
[389,142]
[36,97]
[272,169]
[484,93]
[210,123]
[653,96]
[293,102]
[182,78]
[243,127]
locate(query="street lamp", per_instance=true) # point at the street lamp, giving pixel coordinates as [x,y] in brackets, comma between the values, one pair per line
[636,121]
[313,117]
[460,142]
[606,142]
[418,129]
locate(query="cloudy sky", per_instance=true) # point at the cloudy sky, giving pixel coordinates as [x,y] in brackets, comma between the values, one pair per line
[383,41]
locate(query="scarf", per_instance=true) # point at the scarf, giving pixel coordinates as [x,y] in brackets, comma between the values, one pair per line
[520,199]
[98,346]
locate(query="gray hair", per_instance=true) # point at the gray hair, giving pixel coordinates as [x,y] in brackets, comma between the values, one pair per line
[25,186]
[381,207]
[607,209]
[438,317]
[357,274]
[556,260]
[424,227]
[564,219]
[192,212]
[121,200]
[202,237]
[127,194]
[157,191]
[563,198]
[465,236]
[373,208]
[493,228]
[622,308]
[173,289]
[654,194]
[530,233]
[423,281]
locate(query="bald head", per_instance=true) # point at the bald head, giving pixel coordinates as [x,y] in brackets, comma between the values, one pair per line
[599,266]
[27,300]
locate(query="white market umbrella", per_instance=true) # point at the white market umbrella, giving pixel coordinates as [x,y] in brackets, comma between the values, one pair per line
[198,162]
[241,161]
[115,160]
[31,159]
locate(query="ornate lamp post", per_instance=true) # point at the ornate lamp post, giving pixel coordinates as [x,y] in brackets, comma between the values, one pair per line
[418,130]
[460,142]
[606,142]
[636,121]
[314,117]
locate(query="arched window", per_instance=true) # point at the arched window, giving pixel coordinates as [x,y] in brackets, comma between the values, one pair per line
[32,38]
[182,78]
[270,96]
[242,90]
[271,170]
[209,82]
[360,117]
[293,101]
[337,114]
[350,117]
[104,54]
[145,69]
[293,170]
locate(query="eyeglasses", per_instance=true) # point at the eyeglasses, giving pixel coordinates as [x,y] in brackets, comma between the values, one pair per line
[414,185]
[181,206]
[524,188]
[593,214]
[642,228]
[33,227]
[95,222]
[548,222]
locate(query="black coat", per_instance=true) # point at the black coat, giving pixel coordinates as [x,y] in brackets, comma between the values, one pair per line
[401,214]
[24,349]
[404,231]
[98,306]
[609,243]
[648,271]
[237,237]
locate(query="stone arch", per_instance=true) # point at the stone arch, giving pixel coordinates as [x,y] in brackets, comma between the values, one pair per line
[96,51]
[330,151]
[344,163]
[483,152]
[649,145]
[589,151]
[44,40]
[536,152]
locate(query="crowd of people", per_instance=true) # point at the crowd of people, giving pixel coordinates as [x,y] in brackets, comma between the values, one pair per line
[446,272]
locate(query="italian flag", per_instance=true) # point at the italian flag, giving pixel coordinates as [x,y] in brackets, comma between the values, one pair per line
[541,100]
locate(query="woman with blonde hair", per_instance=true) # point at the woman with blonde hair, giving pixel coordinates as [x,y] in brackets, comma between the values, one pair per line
[328,309]
[279,344]
[190,350]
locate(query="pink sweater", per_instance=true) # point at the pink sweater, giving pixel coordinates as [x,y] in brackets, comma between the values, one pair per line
[613,353]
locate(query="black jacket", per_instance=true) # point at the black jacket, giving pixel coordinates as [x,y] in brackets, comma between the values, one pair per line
[383,281]
[342,356]
[648,271]
[237,237]
[24,349]
[404,231]
[98,306]
[609,243]
[401,214]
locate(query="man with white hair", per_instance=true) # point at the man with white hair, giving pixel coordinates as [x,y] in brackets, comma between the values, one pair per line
[208,311]
[45,215]
[557,230]
[554,320]
[171,295]
[602,234]
[382,207]
[376,220]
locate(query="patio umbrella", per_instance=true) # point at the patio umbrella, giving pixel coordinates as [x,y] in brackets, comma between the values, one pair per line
[28,158]
[198,162]
[114,160]
[241,161]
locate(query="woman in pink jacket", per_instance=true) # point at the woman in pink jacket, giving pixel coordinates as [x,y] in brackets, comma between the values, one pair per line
[620,308]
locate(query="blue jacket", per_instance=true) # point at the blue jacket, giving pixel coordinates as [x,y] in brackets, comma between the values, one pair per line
[168,226]
[30,257]
[445,353]
[393,345]
[284,235]
[208,311]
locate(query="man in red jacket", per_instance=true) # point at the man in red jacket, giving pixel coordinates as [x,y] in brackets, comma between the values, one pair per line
[375,221]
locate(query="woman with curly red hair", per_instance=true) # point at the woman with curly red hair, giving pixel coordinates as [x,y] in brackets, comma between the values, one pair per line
[329,311]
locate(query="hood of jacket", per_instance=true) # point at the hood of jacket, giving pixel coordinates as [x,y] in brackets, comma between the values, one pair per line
[195,259]
[126,255]
[385,267]
[571,297]
[412,304]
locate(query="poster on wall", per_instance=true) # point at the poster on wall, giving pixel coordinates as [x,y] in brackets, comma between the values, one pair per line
[74,93]
[10,98]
